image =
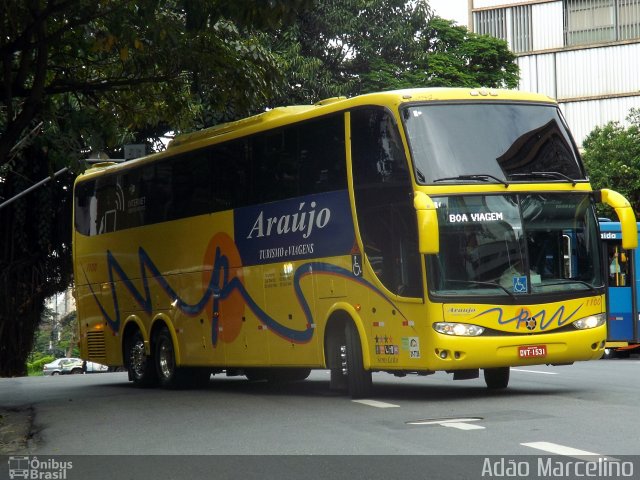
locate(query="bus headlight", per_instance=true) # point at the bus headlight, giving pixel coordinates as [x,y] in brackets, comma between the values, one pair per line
[459,329]
[592,321]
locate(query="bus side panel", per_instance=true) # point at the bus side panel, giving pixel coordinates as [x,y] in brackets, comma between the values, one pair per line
[243,334]
[285,306]
[620,316]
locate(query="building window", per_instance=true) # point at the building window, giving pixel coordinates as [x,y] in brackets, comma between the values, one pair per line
[628,19]
[492,22]
[521,29]
[595,21]
[510,24]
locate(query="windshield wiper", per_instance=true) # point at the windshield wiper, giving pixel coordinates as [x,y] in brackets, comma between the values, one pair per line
[478,176]
[568,282]
[474,282]
[556,175]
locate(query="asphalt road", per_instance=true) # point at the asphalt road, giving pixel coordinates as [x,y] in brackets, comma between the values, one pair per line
[573,411]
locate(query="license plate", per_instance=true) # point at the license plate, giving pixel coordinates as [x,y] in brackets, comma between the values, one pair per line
[532,351]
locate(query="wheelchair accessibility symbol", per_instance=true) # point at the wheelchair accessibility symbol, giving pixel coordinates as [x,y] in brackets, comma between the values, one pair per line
[356,265]
[520,284]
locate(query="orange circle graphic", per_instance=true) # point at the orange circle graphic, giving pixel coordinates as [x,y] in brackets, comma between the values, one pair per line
[231,309]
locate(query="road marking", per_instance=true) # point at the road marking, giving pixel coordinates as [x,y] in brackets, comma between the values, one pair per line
[459,423]
[560,449]
[375,403]
[462,426]
[533,371]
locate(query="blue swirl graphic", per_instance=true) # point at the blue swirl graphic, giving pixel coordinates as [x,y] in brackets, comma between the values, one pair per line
[217,293]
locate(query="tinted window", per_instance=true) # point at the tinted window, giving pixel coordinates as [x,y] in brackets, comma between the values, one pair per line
[292,161]
[514,142]
[383,194]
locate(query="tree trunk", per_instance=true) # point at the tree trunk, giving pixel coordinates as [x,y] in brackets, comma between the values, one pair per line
[19,318]
[35,254]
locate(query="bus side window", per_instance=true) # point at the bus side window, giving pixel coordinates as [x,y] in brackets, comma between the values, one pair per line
[229,175]
[109,202]
[85,208]
[384,203]
[276,172]
[321,152]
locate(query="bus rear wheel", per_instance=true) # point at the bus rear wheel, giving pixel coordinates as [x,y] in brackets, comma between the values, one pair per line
[496,378]
[169,375]
[139,365]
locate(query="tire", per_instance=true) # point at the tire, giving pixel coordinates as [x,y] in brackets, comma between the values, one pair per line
[76,371]
[496,378]
[358,379]
[55,373]
[140,366]
[169,375]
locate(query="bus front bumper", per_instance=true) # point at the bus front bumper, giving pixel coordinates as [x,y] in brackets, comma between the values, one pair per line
[456,352]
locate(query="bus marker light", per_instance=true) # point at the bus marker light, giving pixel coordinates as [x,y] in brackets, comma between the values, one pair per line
[357,306]
[378,324]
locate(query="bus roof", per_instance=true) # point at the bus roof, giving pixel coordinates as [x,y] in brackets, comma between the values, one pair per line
[282,115]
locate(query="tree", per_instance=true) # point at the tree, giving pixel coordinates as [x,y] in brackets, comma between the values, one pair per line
[56,336]
[358,46]
[86,75]
[81,75]
[612,158]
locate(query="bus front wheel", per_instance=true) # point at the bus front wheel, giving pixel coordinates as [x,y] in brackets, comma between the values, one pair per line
[496,378]
[139,365]
[358,379]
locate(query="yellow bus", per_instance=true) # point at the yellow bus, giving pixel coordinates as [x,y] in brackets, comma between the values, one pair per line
[405,232]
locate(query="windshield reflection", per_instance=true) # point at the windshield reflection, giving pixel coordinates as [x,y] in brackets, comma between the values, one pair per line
[491,142]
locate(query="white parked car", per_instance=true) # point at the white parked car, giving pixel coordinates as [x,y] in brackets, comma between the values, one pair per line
[55,367]
[81,366]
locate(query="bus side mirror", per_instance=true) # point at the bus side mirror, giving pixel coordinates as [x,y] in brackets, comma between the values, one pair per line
[428,234]
[625,213]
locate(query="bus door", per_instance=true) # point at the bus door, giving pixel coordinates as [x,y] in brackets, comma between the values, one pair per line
[621,301]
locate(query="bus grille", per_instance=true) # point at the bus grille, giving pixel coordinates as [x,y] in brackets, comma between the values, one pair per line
[95,345]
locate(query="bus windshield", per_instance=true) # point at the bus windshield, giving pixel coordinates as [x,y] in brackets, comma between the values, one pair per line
[515,244]
[488,142]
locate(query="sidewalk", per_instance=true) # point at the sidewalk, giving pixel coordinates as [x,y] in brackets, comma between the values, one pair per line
[15,429]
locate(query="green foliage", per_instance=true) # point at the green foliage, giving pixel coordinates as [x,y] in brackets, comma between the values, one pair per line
[86,75]
[359,46]
[612,158]
[34,367]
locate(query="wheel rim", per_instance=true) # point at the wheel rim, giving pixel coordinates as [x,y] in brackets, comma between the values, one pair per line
[165,359]
[138,359]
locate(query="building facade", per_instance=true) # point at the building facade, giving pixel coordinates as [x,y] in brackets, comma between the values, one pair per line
[584,53]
